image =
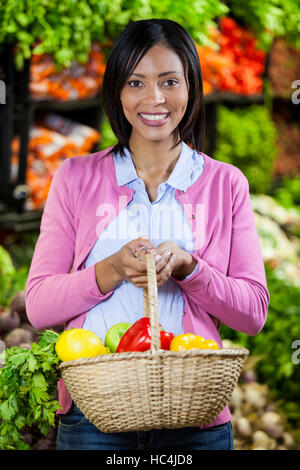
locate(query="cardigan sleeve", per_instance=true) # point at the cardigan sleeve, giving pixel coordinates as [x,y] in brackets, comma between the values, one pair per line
[239,298]
[54,295]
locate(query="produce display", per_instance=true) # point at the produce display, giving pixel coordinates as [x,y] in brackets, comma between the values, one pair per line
[276,367]
[51,139]
[15,329]
[12,279]
[288,143]
[277,228]
[269,19]
[258,423]
[251,147]
[67,30]
[79,81]
[79,138]
[237,66]
[284,67]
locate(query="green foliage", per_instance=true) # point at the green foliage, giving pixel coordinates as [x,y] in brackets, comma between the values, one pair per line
[269,18]
[68,28]
[27,386]
[12,280]
[21,247]
[288,194]
[246,138]
[274,344]
[6,264]
[108,137]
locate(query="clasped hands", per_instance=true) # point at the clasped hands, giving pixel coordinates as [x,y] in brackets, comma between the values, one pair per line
[170,259]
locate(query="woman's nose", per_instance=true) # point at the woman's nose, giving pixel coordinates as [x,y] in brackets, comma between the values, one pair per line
[154,95]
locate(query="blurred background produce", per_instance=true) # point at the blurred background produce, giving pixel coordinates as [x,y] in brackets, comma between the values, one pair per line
[52,60]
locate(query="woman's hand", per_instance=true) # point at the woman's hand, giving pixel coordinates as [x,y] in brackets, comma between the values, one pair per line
[130,267]
[170,260]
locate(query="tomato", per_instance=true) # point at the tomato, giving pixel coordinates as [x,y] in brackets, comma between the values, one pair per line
[79,342]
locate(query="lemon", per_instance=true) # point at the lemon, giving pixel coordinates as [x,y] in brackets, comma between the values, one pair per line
[79,342]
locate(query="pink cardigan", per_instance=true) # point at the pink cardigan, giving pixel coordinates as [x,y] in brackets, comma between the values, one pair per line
[229,286]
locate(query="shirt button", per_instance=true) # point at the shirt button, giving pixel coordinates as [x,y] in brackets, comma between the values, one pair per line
[193,216]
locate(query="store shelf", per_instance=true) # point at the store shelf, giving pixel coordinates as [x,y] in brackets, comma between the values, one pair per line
[17,117]
[25,221]
[55,105]
[234,98]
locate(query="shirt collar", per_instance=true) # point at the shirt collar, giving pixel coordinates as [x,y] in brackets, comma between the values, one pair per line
[178,179]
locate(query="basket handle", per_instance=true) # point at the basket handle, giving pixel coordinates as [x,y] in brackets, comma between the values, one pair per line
[150,303]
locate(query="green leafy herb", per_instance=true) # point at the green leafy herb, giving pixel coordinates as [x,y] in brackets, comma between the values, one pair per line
[67,29]
[269,18]
[27,387]
[252,148]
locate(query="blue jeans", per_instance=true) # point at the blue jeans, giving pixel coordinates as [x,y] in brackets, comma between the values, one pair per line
[75,432]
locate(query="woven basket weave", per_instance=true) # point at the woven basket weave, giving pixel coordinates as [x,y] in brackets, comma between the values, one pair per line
[155,389]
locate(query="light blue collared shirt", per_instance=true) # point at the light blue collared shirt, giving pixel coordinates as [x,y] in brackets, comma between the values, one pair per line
[162,220]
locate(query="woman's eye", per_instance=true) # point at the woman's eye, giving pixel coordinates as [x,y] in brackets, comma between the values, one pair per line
[137,81]
[133,81]
[170,80]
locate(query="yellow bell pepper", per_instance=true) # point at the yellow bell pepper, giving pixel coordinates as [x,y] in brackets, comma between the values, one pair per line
[209,344]
[190,341]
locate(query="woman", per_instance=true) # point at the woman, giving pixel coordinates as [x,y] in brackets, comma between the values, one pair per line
[155,190]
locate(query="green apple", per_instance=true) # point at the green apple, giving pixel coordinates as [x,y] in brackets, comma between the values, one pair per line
[114,334]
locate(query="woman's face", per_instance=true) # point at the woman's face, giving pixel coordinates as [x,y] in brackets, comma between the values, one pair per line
[156,87]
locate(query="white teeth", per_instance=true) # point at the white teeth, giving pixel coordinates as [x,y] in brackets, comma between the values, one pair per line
[154,118]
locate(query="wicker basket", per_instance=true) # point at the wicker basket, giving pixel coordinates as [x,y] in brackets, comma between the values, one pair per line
[155,389]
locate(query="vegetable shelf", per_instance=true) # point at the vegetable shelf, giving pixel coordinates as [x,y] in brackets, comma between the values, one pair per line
[19,115]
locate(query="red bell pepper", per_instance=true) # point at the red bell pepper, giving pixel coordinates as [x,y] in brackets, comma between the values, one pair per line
[138,337]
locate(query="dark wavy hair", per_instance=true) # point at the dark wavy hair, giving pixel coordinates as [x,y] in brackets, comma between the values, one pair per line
[129,49]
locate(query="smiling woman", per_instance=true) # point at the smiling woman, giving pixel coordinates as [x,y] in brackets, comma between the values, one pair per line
[192,212]
[153,80]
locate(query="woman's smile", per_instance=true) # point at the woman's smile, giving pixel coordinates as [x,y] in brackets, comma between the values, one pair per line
[155,120]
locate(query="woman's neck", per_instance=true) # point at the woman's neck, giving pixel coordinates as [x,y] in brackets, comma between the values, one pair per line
[156,161]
